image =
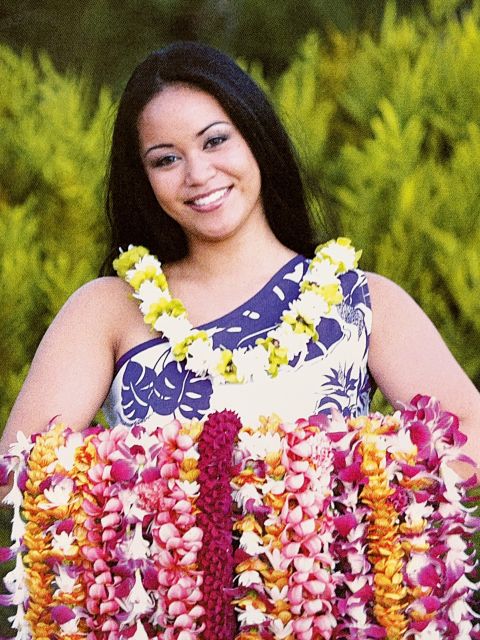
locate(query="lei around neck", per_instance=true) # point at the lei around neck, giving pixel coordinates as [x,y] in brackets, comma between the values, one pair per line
[320,290]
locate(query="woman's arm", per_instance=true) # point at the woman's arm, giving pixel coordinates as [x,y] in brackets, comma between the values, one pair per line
[408,356]
[72,370]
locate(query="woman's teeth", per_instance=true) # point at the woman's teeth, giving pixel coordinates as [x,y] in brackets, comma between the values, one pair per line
[211,198]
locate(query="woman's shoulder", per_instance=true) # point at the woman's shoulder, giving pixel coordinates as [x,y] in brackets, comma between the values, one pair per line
[104,285]
[396,316]
[97,305]
[102,296]
[103,310]
[387,295]
[377,282]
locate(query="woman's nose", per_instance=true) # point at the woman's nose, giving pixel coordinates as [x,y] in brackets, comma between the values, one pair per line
[199,169]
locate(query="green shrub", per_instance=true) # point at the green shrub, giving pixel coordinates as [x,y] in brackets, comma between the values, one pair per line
[53,139]
[389,126]
[409,191]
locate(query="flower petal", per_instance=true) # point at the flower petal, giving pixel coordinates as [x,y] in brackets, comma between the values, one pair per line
[122,470]
[62,614]
[344,524]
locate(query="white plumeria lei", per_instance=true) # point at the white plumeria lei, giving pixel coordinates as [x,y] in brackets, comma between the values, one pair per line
[320,289]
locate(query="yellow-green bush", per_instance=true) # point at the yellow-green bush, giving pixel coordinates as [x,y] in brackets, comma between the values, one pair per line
[52,156]
[390,125]
[409,192]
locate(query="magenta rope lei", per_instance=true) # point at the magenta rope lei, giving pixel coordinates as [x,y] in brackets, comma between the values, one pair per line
[449,563]
[216,506]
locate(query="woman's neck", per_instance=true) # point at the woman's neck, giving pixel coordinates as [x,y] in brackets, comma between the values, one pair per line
[253,255]
[218,277]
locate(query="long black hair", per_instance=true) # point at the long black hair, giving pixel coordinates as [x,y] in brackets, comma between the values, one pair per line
[132,209]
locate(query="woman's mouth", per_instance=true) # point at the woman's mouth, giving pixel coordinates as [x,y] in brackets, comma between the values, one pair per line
[209,201]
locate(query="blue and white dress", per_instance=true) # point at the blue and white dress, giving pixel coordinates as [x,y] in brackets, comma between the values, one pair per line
[151,386]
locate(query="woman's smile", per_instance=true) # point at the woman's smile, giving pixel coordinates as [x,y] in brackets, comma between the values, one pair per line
[209,201]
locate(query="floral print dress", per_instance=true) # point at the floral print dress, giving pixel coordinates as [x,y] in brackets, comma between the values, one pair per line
[150,385]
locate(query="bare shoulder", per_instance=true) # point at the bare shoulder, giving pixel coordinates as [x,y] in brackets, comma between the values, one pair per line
[107,306]
[102,301]
[100,291]
[382,288]
[399,324]
[392,306]
[100,310]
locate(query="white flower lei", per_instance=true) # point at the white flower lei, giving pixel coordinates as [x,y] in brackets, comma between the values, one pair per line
[320,289]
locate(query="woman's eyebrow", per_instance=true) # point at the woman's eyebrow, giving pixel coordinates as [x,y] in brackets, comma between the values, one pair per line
[157,146]
[211,125]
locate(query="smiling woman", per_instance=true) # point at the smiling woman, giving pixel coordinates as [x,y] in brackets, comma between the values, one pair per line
[193,354]
[243,113]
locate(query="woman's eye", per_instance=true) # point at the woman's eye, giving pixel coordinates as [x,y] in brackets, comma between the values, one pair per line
[215,141]
[164,161]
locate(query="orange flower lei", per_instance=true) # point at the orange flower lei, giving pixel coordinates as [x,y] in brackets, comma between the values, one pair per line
[385,551]
[40,518]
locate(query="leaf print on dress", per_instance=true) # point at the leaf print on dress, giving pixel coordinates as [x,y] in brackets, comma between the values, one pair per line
[178,390]
[364,396]
[330,332]
[352,316]
[339,389]
[137,383]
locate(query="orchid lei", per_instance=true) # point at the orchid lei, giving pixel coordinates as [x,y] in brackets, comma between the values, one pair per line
[49,581]
[323,528]
[320,289]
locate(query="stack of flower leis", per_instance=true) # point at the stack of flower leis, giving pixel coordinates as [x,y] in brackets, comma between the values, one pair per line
[320,290]
[110,544]
[365,536]
[418,532]
[302,566]
[342,529]
[146,577]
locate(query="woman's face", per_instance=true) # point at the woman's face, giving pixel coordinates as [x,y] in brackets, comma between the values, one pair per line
[200,168]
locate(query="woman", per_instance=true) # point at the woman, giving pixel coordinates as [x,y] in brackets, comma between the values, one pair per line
[203,174]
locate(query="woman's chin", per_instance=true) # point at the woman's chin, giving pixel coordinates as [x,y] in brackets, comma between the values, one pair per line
[215,235]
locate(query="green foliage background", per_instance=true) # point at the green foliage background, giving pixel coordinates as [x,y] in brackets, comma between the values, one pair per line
[387,121]
[52,155]
[105,38]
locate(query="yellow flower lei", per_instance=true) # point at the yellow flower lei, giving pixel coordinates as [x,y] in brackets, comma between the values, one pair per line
[320,290]
[385,550]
